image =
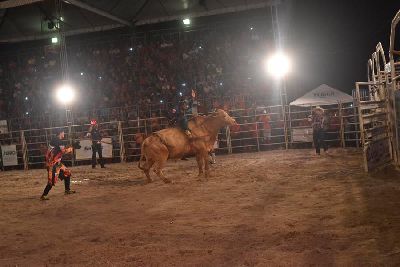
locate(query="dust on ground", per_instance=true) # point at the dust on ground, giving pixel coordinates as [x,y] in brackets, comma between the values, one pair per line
[270,208]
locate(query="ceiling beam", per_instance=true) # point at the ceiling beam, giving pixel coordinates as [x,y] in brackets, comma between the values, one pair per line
[98,12]
[16,3]
[67,33]
[212,12]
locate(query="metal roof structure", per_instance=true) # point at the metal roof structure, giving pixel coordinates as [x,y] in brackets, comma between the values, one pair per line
[22,20]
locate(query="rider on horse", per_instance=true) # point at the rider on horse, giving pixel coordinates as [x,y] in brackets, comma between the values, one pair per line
[178,115]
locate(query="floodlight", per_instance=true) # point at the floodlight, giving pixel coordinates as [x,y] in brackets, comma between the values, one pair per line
[186,21]
[65,94]
[54,40]
[278,65]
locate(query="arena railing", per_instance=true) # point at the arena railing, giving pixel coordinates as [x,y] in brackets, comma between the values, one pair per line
[258,129]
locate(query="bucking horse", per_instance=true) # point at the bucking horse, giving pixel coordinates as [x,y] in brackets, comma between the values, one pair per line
[173,143]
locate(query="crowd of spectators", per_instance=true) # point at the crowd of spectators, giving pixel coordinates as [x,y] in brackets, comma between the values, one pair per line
[126,71]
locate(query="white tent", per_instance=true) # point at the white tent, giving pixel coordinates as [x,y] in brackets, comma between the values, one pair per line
[322,95]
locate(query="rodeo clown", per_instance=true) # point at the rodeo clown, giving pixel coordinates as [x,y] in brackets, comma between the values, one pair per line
[95,135]
[55,168]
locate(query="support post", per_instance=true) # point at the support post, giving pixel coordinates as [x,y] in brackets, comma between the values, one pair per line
[228,139]
[24,151]
[342,140]
[122,153]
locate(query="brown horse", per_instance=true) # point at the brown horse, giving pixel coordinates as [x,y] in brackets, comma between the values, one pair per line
[173,143]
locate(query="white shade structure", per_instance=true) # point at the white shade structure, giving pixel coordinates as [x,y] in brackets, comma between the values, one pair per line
[322,95]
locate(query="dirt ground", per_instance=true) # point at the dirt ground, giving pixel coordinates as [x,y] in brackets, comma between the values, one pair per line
[258,209]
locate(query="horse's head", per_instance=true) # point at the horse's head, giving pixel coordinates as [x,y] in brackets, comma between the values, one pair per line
[228,120]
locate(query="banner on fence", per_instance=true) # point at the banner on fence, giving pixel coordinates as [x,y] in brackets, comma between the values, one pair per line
[302,135]
[107,147]
[3,127]
[9,155]
[85,152]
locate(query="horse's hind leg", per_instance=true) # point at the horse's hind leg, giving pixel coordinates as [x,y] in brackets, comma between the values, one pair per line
[158,170]
[146,168]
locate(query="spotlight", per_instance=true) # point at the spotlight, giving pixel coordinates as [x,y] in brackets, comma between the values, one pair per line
[65,94]
[186,21]
[131,49]
[54,40]
[278,65]
[183,84]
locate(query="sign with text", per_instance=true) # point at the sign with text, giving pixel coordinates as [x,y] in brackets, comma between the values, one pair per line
[302,135]
[9,155]
[85,152]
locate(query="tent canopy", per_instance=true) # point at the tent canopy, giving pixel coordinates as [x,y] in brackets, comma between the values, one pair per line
[322,95]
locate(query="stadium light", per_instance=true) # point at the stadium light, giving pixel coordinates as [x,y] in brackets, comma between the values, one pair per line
[54,40]
[278,65]
[65,94]
[186,21]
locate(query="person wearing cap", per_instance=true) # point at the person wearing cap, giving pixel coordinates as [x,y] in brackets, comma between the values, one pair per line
[95,135]
[55,168]
[317,121]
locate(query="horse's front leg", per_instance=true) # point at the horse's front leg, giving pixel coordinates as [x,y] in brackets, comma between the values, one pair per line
[206,165]
[200,160]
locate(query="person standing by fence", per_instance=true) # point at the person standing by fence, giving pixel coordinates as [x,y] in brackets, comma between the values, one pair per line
[95,135]
[317,120]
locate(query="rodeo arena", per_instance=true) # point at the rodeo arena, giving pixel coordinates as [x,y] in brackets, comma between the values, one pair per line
[174,133]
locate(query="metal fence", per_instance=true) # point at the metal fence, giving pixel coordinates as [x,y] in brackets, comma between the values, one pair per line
[258,129]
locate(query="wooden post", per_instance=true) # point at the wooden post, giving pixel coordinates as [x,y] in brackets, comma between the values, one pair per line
[342,137]
[24,151]
[122,153]
[258,136]
[361,124]
[290,126]
[228,140]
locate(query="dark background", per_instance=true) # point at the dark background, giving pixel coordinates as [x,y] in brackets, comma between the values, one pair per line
[331,41]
